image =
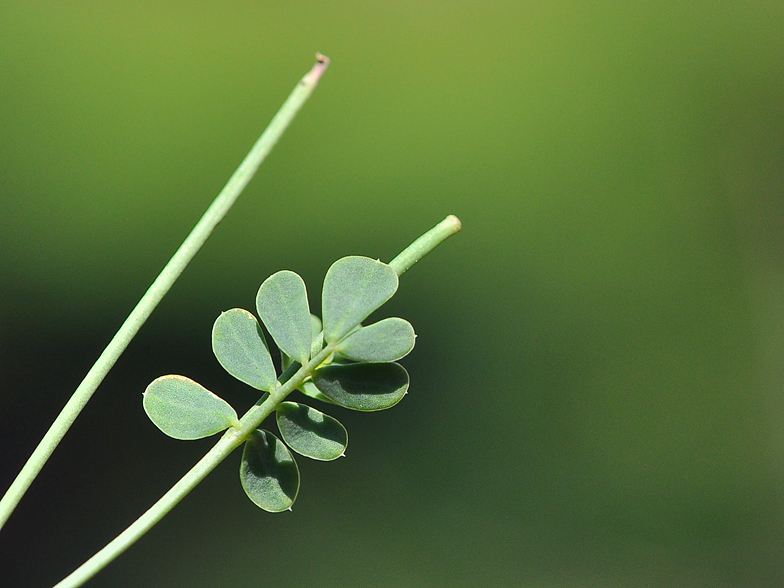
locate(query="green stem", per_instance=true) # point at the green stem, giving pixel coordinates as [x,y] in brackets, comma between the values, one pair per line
[230,440]
[214,214]
[425,244]
[234,436]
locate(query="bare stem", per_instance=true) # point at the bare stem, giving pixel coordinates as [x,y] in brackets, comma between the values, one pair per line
[425,244]
[214,214]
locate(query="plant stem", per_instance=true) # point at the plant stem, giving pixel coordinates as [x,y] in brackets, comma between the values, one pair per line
[425,244]
[234,436]
[214,214]
[230,440]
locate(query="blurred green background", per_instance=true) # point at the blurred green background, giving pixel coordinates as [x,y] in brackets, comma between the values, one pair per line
[598,387]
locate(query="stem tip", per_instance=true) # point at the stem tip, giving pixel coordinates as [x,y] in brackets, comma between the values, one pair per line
[312,77]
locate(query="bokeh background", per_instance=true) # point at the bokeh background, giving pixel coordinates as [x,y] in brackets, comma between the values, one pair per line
[597,389]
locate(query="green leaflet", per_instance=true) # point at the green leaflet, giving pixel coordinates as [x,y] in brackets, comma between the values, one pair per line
[353,288]
[387,340]
[282,302]
[310,432]
[309,389]
[268,472]
[185,410]
[240,347]
[315,326]
[363,386]
[317,343]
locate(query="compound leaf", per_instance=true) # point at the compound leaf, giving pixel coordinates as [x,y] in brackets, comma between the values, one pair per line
[268,472]
[239,345]
[353,288]
[387,340]
[186,410]
[363,386]
[310,432]
[282,303]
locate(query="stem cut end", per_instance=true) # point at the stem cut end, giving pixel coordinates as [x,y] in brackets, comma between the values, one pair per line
[322,62]
[454,222]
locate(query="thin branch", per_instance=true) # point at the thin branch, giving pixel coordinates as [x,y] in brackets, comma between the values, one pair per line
[214,214]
